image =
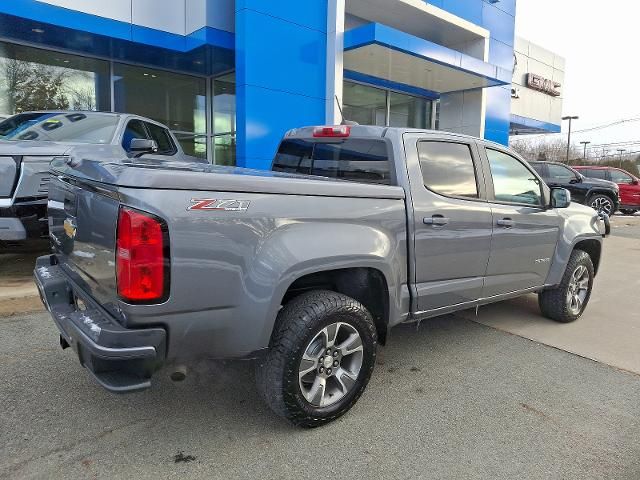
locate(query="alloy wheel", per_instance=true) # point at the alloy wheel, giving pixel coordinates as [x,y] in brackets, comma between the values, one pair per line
[330,364]
[578,289]
[602,205]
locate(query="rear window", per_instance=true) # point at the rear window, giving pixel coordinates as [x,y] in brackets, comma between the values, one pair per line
[358,160]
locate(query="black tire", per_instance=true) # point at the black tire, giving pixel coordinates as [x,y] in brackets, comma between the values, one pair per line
[602,204]
[554,303]
[299,323]
[626,211]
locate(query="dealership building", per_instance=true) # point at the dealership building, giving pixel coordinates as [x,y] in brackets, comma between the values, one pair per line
[230,77]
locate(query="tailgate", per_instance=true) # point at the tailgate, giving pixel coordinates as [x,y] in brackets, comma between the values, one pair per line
[82,227]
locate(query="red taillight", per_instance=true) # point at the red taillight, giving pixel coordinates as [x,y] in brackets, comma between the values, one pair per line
[340,131]
[140,258]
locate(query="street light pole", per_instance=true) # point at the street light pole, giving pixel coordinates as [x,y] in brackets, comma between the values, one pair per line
[584,156]
[570,118]
[621,151]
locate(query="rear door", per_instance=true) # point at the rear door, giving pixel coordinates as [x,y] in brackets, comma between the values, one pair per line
[525,233]
[452,220]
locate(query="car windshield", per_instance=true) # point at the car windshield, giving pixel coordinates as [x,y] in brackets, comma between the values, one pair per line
[72,127]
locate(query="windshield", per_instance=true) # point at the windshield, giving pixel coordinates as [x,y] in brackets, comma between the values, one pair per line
[72,127]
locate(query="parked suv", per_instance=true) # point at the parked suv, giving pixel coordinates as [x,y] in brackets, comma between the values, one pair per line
[31,140]
[165,264]
[629,185]
[600,195]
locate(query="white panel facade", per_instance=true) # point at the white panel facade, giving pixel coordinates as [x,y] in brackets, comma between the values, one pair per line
[165,15]
[531,103]
[113,9]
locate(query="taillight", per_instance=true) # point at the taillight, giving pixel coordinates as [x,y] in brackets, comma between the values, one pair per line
[140,257]
[339,131]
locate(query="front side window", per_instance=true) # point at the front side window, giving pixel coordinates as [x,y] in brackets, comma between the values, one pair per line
[162,138]
[512,181]
[135,129]
[618,176]
[360,160]
[447,169]
[560,174]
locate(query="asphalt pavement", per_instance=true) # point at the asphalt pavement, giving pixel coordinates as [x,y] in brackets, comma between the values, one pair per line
[452,399]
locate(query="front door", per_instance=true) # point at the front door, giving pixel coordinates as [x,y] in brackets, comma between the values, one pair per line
[561,176]
[629,188]
[452,221]
[525,232]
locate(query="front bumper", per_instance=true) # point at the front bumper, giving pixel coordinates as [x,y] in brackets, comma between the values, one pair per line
[23,220]
[121,360]
[605,224]
[12,230]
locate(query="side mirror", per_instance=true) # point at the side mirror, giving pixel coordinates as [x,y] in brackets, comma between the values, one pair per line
[143,145]
[576,180]
[560,198]
[635,181]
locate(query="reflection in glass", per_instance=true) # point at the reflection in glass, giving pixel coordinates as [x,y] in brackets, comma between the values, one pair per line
[447,168]
[365,105]
[35,79]
[224,120]
[409,112]
[512,181]
[175,100]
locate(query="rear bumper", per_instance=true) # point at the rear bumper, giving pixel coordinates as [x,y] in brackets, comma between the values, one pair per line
[121,360]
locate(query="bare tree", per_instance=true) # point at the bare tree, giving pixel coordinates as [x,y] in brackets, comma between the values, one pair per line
[543,149]
[14,76]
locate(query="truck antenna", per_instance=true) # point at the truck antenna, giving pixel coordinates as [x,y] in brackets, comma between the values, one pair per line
[344,121]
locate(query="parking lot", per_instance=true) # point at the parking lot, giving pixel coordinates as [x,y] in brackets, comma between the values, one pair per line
[498,395]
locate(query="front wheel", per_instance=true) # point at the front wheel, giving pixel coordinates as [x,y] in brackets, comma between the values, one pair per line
[320,358]
[567,302]
[602,204]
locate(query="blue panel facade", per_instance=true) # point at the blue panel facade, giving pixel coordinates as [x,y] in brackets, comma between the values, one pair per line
[280,73]
[278,51]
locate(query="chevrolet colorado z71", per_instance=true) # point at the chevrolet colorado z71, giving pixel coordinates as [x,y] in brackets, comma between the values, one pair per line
[161,263]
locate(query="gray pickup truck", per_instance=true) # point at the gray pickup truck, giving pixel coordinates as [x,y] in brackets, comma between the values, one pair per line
[30,140]
[307,267]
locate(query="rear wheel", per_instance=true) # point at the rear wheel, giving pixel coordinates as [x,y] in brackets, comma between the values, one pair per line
[566,302]
[602,204]
[627,211]
[320,359]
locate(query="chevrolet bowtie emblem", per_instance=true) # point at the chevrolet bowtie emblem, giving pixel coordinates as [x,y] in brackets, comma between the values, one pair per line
[69,228]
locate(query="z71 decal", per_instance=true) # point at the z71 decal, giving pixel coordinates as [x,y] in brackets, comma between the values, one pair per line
[215,204]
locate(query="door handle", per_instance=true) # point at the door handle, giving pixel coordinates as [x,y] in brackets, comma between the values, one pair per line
[436,220]
[506,223]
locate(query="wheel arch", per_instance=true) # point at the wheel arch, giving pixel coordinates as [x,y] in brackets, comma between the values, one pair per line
[593,248]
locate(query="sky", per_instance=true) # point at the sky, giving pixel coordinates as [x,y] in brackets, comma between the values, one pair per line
[598,39]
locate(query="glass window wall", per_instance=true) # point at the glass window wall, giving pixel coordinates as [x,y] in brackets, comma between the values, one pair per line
[224,120]
[374,106]
[176,100]
[37,79]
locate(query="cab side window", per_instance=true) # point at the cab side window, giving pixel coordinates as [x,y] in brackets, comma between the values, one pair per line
[134,129]
[595,173]
[447,169]
[513,182]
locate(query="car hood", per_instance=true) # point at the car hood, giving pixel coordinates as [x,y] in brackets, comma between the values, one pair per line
[34,148]
[600,182]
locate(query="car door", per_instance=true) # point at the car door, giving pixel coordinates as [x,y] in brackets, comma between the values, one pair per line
[525,231]
[452,220]
[562,176]
[629,188]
